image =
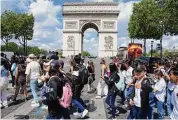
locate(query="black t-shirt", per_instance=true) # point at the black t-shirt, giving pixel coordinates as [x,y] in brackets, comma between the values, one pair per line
[53,104]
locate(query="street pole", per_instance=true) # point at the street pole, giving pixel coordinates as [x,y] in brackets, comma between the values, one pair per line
[161,40]
[152,48]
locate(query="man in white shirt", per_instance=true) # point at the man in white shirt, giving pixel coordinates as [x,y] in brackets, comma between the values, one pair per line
[33,70]
[174,79]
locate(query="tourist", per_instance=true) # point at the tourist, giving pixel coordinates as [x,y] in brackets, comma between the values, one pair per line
[102,86]
[139,100]
[121,84]
[91,79]
[174,79]
[13,69]
[3,83]
[128,80]
[33,70]
[112,90]
[170,88]
[160,93]
[20,78]
[54,92]
[77,87]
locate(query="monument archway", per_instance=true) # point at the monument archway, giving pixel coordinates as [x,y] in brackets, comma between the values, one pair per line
[80,16]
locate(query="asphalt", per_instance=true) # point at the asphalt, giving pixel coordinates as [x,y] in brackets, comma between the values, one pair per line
[97,108]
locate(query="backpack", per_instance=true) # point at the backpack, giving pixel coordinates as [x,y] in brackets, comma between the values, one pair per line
[21,73]
[83,74]
[66,98]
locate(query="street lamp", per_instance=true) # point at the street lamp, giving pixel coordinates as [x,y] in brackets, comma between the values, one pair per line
[161,39]
[152,48]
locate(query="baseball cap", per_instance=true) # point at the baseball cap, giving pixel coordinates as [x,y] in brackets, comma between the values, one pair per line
[140,68]
[31,56]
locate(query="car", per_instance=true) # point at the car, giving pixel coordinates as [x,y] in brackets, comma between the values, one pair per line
[149,62]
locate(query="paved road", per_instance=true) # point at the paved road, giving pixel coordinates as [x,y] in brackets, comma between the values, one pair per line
[97,107]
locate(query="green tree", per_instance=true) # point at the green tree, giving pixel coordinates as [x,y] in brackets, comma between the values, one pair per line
[144,22]
[24,29]
[86,53]
[7,25]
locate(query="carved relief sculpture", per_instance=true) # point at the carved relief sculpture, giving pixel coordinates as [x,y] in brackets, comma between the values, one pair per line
[108,25]
[108,43]
[82,22]
[71,42]
[70,25]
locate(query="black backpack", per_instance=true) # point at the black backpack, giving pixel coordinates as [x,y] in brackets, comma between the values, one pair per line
[83,74]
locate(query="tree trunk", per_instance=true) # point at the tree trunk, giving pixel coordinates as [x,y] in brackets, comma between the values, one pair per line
[6,43]
[144,47]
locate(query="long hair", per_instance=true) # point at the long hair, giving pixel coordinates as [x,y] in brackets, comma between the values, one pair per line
[112,67]
[4,63]
[91,64]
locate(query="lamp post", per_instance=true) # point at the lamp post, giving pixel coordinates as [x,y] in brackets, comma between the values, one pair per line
[152,48]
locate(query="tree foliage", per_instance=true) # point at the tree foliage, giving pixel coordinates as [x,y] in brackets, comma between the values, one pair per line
[19,49]
[7,25]
[86,53]
[170,16]
[144,22]
[19,25]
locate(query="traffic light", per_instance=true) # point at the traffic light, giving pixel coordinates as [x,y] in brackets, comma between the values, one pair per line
[158,47]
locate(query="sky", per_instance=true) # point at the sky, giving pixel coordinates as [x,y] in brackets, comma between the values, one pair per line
[48,24]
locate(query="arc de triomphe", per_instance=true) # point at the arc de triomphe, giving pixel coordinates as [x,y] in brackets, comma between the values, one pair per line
[78,17]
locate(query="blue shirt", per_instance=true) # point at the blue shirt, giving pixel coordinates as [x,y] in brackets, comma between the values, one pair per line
[13,68]
[4,72]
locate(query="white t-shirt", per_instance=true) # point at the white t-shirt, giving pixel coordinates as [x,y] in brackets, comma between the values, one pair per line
[137,98]
[33,68]
[174,114]
[129,75]
[171,86]
[161,87]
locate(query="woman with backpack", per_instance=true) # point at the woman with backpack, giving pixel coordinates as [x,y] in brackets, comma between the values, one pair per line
[20,78]
[91,79]
[112,90]
[4,83]
[54,93]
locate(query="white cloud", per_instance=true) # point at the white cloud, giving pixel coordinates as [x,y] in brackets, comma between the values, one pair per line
[46,28]
[98,0]
[15,5]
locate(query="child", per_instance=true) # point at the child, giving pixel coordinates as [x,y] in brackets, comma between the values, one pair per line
[160,92]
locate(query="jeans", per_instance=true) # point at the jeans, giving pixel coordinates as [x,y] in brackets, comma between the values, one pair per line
[64,113]
[151,105]
[33,87]
[169,105]
[128,91]
[160,109]
[78,105]
[135,113]
[110,100]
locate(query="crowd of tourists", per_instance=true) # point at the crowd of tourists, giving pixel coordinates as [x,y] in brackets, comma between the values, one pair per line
[61,90]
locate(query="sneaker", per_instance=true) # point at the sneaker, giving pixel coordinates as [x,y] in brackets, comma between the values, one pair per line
[104,97]
[117,112]
[33,101]
[1,105]
[77,114]
[84,113]
[44,107]
[35,105]
[98,97]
